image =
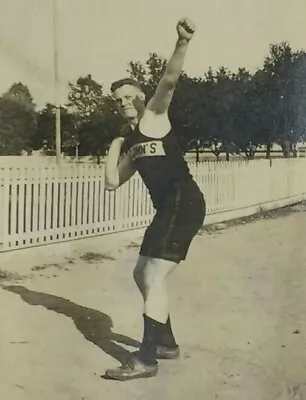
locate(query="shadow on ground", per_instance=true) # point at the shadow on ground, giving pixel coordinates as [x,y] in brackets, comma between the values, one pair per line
[94,325]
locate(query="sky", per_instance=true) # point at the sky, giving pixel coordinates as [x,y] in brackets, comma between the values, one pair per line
[100,37]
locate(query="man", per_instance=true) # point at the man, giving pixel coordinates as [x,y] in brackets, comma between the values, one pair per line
[149,146]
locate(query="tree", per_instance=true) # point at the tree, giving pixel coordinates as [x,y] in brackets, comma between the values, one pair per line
[186,113]
[95,118]
[297,100]
[20,93]
[248,113]
[17,126]
[17,120]
[45,132]
[220,102]
[96,133]
[138,72]
[85,97]
[148,75]
[281,67]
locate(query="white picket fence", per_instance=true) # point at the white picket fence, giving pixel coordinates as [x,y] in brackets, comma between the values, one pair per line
[46,204]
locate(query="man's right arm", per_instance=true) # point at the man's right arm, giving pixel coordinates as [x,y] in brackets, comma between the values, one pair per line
[117,172]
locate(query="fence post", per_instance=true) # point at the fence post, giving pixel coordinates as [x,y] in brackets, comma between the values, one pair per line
[118,210]
[4,206]
[2,190]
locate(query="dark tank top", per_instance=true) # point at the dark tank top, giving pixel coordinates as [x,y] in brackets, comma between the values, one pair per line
[160,163]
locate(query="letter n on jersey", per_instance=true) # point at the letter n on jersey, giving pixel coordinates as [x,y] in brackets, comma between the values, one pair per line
[152,148]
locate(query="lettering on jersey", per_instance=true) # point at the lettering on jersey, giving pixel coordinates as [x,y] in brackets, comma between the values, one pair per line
[147,149]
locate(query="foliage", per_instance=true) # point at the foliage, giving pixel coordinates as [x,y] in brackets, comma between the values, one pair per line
[45,134]
[17,120]
[227,112]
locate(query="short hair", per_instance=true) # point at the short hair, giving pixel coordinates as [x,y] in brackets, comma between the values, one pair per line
[125,81]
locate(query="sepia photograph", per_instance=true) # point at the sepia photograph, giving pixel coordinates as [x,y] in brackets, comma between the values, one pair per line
[152,200]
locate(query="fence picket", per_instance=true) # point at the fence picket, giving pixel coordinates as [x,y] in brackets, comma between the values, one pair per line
[45,204]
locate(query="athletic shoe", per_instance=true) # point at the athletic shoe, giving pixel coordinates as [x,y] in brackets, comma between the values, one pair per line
[134,369]
[168,353]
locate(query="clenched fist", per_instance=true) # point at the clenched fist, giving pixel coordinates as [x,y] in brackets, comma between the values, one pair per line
[185,29]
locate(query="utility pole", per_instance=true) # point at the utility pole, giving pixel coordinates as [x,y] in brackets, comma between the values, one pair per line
[56,86]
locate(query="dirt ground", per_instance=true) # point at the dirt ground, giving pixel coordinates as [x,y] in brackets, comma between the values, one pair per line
[238,308]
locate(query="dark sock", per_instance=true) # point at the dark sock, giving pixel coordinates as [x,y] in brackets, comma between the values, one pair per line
[148,347]
[166,337]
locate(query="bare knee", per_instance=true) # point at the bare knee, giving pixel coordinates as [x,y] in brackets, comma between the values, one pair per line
[151,272]
[147,277]
[138,273]
[138,276]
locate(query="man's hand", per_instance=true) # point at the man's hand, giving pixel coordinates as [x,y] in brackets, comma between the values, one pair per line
[185,29]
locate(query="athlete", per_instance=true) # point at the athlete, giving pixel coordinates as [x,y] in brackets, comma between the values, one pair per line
[147,144]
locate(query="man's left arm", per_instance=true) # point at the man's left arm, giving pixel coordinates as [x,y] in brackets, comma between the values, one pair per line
[162,98]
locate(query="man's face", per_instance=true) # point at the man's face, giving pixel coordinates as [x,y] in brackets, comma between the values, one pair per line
[129,101]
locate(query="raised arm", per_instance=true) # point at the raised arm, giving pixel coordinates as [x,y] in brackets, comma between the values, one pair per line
[162,98]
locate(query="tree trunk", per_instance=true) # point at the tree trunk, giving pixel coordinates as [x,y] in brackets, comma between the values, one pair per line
[268,152]
[250,152]
[286,148]
[197,154]
[294,150]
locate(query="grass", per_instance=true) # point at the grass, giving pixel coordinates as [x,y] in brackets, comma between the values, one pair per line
[91,257]
[10,276]
[43,267]
[132,245]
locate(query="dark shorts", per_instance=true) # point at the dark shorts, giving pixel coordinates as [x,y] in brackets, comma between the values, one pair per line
[175,224]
